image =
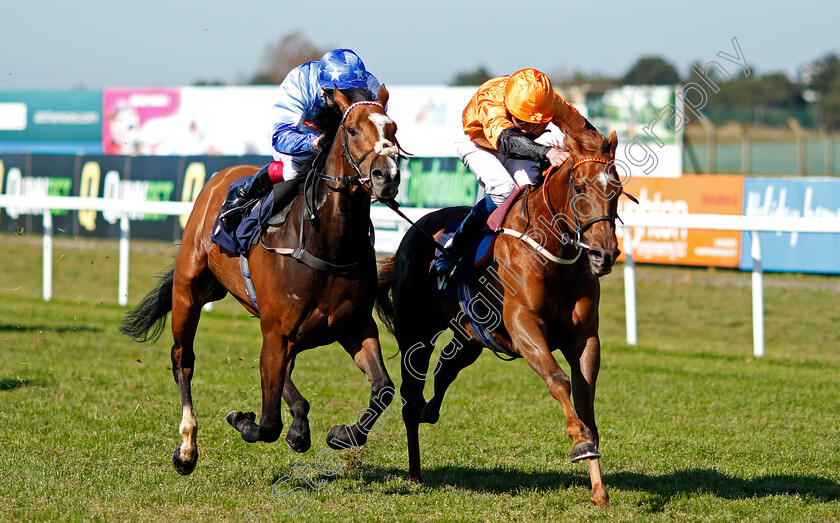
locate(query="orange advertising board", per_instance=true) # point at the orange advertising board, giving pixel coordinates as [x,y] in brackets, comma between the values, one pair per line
[689,194]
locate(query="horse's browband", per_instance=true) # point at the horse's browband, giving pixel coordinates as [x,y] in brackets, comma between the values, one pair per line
[599,160]
[363,102]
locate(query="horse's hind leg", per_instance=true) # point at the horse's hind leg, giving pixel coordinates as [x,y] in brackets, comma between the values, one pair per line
[188,296]
[414,364]
[297,437]
[453,359]
[273,360]
[363,346]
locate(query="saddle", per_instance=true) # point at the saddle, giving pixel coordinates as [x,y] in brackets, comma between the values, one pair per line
[482,248]
[272,209]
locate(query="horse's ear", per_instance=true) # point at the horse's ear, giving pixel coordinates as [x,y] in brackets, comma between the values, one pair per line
[382,98]
[572,145]
[341,100]
[612,142]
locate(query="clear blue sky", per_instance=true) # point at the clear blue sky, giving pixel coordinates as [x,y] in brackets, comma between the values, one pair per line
[60,44]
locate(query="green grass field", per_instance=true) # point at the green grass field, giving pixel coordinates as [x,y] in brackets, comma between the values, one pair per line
[693,428]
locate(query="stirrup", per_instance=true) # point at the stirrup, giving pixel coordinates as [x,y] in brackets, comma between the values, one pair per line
[443,279]
[231,218]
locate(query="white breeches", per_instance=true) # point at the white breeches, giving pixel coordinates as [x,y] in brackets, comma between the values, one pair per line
[498,175]
[293,164]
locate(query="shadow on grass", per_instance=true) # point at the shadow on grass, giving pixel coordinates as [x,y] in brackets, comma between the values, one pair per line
[662,487]
[707,481]
[16,383]
[60,329]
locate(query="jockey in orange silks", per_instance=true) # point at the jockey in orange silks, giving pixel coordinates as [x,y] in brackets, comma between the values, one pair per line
[506,142]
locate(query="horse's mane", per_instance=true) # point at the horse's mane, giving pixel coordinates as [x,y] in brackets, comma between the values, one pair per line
[591,140]
[327,118]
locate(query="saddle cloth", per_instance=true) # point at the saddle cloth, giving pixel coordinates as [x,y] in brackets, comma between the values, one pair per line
[246,233]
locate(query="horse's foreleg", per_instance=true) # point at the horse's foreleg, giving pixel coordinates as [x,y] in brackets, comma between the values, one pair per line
[273,358]
[186,311]
[297,437]
[530,340]
[364,347]
[584,374]
[453,359]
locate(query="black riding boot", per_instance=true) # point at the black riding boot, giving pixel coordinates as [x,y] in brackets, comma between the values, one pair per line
[232,209]
[447,264]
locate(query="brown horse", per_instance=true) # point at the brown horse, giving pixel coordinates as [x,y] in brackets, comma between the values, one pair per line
[537,294]
[323,292]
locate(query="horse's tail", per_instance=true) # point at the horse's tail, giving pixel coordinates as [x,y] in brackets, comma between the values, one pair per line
[384,300]
[145,322]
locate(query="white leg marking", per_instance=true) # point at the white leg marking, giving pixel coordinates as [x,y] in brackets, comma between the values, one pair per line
[188,428]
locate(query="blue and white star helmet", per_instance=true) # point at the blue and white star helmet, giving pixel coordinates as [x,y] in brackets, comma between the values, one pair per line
[341,68]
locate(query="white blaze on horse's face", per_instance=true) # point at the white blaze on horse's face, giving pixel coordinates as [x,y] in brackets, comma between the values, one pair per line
[383,146]
[606,180]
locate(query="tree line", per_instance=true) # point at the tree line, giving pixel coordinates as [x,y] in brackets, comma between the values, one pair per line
[769,98]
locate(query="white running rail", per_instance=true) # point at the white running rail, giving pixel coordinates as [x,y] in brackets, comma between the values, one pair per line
[390,229]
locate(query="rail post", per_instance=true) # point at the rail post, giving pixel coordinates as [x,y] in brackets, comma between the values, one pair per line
[47,255]
[629,288]
[757,296]
[125,235]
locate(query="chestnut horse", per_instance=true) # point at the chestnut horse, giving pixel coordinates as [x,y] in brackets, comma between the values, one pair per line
[538,294]
[324,291]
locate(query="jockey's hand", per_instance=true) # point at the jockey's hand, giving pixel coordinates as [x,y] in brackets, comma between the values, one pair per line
[316,144]
[557,156]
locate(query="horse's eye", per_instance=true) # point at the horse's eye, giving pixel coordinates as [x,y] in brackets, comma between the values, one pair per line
[578,189]
[352,131]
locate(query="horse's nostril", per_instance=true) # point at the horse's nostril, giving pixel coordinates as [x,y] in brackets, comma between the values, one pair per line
[596,255]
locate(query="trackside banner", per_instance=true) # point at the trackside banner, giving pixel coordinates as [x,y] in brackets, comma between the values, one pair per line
[690,194]
[798,252]
[144,178]
[51,121]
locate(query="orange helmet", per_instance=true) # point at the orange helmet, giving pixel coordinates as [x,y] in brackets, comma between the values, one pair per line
[529,96]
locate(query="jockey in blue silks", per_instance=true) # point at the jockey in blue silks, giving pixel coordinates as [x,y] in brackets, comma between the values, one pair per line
[294,138]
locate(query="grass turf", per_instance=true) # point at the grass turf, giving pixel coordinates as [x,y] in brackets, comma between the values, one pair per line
[693,428]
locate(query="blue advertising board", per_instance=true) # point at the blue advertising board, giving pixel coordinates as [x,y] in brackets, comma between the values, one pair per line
[51,122]
[793,252]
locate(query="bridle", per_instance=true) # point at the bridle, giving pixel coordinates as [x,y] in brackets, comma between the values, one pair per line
[309,204]
[579,228]
[357,179]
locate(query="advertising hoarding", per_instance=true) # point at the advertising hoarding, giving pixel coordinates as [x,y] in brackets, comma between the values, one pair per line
[51,121]
[690,194]
[799,252]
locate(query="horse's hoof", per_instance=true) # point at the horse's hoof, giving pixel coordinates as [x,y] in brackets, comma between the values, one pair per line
[297,441]
[601,500]
[341,437]
[430,415]
[183,468]
[585,451]
[416,477]
[236,417]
